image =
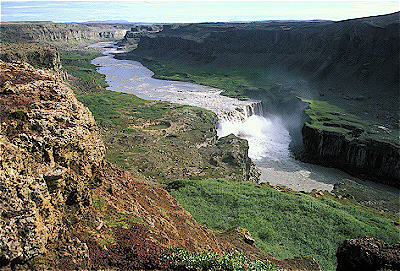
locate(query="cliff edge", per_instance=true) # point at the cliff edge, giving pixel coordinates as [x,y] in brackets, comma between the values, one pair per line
[62,206]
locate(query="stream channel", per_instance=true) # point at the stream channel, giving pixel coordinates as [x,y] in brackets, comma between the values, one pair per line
[268,138]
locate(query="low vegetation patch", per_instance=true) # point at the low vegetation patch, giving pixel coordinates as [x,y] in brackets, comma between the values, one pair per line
[368,196]
[284,224]
[236,82]
[132,250]
[181,259]
[85,78]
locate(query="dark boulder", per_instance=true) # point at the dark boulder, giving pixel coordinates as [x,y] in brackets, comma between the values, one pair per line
[367,254]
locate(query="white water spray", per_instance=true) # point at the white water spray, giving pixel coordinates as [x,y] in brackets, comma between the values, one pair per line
[268,139]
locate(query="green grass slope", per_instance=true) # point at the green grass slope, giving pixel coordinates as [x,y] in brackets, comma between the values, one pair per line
[285,224]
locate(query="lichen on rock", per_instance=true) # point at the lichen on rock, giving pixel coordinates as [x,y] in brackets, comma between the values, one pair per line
[47,159]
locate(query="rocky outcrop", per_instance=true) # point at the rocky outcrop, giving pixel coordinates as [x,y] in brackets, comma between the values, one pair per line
[179,143]
[378,161]
[367,254]
[49,152]
[49,32]
[39,56]
[62,206]
[133,36]
[232,151]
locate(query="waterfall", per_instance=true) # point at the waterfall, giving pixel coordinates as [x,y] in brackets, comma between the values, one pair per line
[242,113]
[255,108]
[267,136]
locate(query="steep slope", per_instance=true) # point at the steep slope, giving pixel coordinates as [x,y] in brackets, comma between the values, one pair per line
[55,184]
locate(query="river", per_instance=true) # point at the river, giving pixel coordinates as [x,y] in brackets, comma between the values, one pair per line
[267,136]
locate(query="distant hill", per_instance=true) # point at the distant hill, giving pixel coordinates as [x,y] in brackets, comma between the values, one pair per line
[108,22]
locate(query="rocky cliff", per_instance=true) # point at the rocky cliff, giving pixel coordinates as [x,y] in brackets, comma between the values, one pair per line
[374,160]
[39,56]
[62,206]
[49,32]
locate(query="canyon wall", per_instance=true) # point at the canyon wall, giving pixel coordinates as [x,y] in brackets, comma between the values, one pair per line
[48,32]
[358,53]
[368,159]
[352,63]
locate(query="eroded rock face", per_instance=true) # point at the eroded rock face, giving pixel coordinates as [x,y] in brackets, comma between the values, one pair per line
[49,151]
[378,161]
[367,254]
[60,32]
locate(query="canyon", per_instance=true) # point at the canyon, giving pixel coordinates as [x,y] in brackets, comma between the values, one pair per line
[66,207]
[61,200]
[351,64]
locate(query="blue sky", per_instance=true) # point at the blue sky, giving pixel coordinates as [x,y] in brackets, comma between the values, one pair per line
[190,11]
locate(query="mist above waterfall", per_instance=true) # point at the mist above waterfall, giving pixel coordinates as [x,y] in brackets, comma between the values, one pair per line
[268,138]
